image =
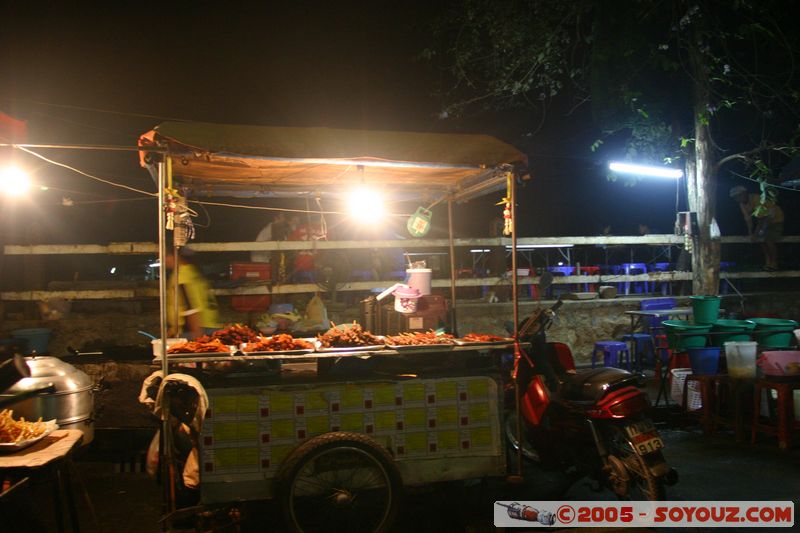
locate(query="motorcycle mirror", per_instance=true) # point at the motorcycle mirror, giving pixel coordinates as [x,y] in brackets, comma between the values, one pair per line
[545,280]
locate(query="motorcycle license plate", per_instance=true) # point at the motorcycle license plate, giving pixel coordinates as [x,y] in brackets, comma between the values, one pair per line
[644,437]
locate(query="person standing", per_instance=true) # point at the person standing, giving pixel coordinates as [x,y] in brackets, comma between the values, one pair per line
[197,305]
[768,227]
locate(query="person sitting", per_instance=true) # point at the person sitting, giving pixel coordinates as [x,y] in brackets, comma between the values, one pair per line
[768,227]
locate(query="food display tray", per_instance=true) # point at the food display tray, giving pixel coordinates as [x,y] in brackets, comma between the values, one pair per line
[279,352]
[11,447]
[462,342]
[420,347]
[366,348]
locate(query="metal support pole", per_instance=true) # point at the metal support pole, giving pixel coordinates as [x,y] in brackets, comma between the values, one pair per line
[515,308]
[452,266]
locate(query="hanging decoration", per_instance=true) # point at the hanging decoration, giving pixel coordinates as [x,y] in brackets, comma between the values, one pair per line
[508,222]
[419,223]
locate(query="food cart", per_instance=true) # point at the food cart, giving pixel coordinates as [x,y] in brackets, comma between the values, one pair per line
[412,415]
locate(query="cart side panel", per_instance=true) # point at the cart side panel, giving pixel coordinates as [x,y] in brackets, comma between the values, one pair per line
[437,429]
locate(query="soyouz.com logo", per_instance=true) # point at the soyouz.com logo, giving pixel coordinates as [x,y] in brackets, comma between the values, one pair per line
[644,514]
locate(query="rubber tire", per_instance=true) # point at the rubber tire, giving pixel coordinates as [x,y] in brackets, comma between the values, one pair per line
[307,451]
[652,488]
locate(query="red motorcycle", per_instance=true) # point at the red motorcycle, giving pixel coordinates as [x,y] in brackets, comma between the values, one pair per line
[590,422]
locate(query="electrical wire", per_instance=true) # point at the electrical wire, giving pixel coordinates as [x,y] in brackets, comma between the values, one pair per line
[82,173]
[757,181]
[284,209]
[97,110]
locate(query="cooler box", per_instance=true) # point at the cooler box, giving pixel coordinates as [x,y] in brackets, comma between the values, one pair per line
[250,272]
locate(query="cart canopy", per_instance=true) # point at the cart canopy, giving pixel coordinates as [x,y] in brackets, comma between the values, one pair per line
[223,159]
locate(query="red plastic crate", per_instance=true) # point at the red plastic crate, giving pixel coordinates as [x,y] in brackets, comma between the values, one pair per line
[250,272]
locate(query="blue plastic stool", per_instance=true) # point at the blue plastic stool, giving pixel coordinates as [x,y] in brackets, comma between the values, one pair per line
[643,345]
[614,353]
[638,286]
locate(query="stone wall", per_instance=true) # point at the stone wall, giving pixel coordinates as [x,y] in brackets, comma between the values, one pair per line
[578,324]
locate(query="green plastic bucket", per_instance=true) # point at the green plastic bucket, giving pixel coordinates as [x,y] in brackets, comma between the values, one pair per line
[682,335]
[731,331]
[705,309]
[773,332]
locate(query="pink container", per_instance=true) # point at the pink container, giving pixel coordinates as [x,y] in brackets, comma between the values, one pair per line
[780,363]
[405,299]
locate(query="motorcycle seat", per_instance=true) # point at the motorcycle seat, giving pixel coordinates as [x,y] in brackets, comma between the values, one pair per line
[592,385]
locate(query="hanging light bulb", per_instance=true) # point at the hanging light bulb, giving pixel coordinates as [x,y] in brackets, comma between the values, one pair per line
[366,205]
[14,181]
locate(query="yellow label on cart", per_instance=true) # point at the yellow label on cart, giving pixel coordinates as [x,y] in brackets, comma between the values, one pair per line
[478,389]
[248,457]
[446,390]
[415,418]
[478,412]
[280,452]
[481,437]
[385,421]
[446,415]
[413,392]
[247,404]
[353,422]
[416,442]
[316,401]
[385,395]
[280,403]
[225,405]
[447,440]
[282,429]
[353,398]
[230,431]
[317,425]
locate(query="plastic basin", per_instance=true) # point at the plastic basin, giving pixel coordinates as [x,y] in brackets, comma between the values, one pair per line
[740,358]
[37,338]
[780,363]
[731,331]
[705,309]
[704,360]
[682,335]
[773,332]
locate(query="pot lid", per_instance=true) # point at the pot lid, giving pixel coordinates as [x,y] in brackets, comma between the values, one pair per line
[407,292]
[44,370]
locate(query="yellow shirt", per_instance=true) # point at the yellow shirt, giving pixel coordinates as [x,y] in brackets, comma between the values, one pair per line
[195,296]
[771,210]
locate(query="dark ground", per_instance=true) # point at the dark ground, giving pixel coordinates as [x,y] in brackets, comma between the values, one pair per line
[711,468]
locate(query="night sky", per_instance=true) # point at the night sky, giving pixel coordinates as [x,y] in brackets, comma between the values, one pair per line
[348,65]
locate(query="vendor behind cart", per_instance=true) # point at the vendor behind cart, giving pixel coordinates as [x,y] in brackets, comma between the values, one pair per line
[197,305]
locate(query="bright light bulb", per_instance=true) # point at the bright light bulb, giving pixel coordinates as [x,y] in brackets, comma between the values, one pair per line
[366,205]
[646,170]
[14,182]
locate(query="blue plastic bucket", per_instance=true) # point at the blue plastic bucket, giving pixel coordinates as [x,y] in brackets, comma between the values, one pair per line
[37,338]
[704,360]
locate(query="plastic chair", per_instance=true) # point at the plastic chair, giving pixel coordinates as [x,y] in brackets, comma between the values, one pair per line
[653,324]
[561,271]
[630,269]
[614,353]
[589,271]
[664,285]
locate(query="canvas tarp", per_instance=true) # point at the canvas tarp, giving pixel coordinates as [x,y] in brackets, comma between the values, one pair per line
[218,157]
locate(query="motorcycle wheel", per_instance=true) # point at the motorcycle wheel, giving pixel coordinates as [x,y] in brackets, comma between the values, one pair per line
[643,485]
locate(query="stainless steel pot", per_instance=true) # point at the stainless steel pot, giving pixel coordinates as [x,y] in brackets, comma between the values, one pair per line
[72,403]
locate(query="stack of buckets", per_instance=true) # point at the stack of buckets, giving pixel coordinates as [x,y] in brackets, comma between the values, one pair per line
[703,359]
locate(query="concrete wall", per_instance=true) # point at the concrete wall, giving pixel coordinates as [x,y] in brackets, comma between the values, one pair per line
[579,324]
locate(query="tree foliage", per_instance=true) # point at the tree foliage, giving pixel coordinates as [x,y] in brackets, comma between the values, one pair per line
[630,61]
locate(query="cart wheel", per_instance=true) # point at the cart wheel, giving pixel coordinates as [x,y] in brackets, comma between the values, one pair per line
[339,482]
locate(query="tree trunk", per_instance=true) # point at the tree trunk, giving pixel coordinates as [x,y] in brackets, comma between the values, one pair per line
[701,183]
